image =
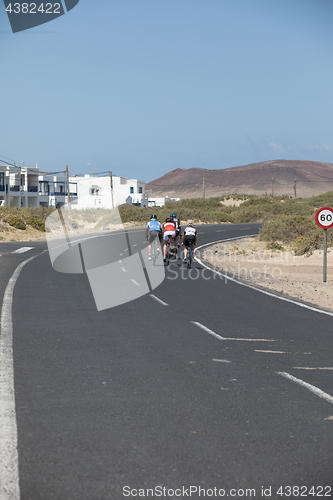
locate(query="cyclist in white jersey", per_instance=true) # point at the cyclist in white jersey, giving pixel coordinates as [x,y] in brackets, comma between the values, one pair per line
[190,237]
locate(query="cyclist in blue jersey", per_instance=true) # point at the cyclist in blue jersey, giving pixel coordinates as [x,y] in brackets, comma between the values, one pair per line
[153,230]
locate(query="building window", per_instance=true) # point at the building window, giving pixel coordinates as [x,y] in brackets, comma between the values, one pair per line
[131,190]
[95,190]
[44,187]
[140,190]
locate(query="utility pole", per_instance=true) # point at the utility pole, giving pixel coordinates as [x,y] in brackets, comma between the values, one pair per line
[203,186]
[295,187]
[272,186]
[111,185]
[68,190]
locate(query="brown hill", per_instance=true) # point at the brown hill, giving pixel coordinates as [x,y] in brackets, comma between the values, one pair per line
[277,176]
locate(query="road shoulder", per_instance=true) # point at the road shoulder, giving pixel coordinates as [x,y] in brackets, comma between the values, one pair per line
[281,272]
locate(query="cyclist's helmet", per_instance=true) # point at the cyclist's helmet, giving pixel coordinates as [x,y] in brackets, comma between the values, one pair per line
[168,219]
[190,224]
[153,217]
[173,215]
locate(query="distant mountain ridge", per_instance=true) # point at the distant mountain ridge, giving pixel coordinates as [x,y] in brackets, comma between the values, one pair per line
[277,176]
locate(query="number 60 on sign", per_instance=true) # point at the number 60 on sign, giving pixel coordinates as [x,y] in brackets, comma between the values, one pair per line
[324,217]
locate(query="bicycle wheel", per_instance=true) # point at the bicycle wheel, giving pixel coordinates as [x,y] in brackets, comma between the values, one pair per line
[153,252]
[189,258]
[167,255]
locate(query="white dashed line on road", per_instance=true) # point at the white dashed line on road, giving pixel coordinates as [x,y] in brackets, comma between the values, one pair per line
[135,282]
[310,387]
[272,352]
[159,300]
[22,249]
[203,327]
[222,360]
[251,340]
[309,368]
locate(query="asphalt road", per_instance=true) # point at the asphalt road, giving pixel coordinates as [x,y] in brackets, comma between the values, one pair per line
[181,387]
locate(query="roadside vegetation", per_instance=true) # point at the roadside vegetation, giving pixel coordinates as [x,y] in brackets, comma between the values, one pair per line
[286,221]
[22,219]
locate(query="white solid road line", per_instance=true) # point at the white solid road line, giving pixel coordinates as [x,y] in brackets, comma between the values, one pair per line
[9,472]
[158,300]
[22,249]
[203,327]
[310,387]
[251,286]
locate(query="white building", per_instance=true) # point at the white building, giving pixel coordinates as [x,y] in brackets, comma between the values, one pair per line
[96,192]
[24,186]
[53,191]
[18,186]
[160,202]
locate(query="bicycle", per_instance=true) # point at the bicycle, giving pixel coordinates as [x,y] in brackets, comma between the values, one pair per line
[154,251]
[189,257]
[170,252]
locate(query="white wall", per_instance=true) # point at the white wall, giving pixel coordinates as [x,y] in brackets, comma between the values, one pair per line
[95,192]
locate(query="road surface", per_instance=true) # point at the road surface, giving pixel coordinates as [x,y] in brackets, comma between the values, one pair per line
[196,384]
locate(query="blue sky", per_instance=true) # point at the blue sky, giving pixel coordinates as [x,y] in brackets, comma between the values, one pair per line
[142,87]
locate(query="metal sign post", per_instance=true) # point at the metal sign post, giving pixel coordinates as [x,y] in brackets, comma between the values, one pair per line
[324,219]
[325,257]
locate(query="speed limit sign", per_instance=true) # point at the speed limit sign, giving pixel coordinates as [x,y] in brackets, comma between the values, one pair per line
[324,217]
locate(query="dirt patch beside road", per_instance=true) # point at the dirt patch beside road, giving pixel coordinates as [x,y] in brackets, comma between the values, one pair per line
[297,277]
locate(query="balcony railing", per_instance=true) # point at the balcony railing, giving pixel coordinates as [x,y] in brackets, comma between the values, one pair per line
[14,188]
[2,187]
[32,189]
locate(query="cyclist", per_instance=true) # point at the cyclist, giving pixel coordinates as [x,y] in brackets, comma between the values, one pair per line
[153,230]
[190,237]
[169,231]
[178,228]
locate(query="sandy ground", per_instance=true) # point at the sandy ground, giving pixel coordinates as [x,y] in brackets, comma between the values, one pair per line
[296,277]
[232,202]
[28,234]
